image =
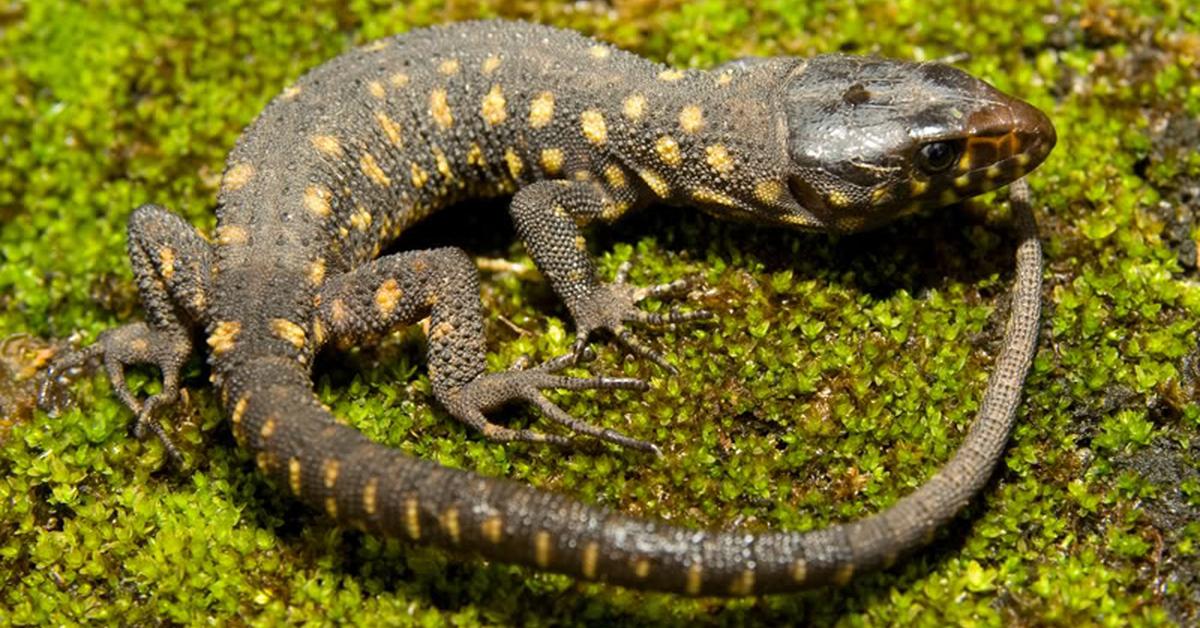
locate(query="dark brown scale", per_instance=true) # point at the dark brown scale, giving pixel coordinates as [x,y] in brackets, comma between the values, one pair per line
[373,141]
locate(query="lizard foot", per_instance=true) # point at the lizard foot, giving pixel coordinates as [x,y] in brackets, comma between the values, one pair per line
[613,307]
[469,402]
[124,346]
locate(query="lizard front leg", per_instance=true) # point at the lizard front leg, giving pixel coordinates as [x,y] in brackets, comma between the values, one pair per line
[443,284]
[172,265]
[547,216]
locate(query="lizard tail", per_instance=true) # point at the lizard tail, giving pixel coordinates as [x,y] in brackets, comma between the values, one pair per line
[356,481]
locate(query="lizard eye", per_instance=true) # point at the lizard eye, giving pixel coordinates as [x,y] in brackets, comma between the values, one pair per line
[936,156]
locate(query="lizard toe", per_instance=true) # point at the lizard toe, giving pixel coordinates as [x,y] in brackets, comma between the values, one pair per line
[470,402]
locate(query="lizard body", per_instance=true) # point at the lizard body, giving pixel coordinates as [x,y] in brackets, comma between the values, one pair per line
[374,140]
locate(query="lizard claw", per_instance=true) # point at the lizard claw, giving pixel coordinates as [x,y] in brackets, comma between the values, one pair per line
[117,349]
[613,307]
[469,402]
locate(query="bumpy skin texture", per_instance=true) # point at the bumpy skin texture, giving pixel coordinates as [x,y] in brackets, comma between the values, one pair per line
[372,141]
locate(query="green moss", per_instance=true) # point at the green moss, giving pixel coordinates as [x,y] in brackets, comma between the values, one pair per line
[839,374]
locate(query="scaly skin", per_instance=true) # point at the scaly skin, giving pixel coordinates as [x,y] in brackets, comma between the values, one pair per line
[380,137]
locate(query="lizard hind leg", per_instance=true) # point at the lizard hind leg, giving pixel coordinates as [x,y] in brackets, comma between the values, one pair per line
[172,266]
[443,284]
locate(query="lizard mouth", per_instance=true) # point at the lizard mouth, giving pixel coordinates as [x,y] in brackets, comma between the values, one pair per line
[1001,144]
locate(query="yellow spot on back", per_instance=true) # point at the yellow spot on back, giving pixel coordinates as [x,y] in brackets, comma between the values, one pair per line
[288,331]
[843,574]
[370,492]
[800,570]
[449,67]
[376,90]
[743,584]
[962,181]
[264,460]
[541,548]
[589,558]
[515,165]
[223,336]
[419,176]
[492,529]
[541,110]
[768,191]
[412,517]
[668,151]
[475,155]
[634,107]
[398,79]
[166,262]
[387,296]
[492,109]
[599,52]
[655,183]
[239,410]
[268,428]
[443,164]
[329,471]
[614,175]
[361,218]
[439,109]
[327,144]
[838,198]
[316,271]
[670,75]
[695,578]
[724,79]
[291,92]
[331,506]
[295,478]
[371,168]
[318,332]
[717,158]
[594,129]
[709,195]
[691,118]
[231,234]
[449,521]
[641,568]
[918,187]
[441,330]
[490,64]
[391,129]
[316,200]
[881,195]
[613,210]
[339,313]
[552,160]
[377,45]
[237,177]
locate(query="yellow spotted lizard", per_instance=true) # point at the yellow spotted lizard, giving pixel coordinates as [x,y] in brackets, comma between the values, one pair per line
[367,144]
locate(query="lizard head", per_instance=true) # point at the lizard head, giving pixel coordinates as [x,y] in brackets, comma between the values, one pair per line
[872,139]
